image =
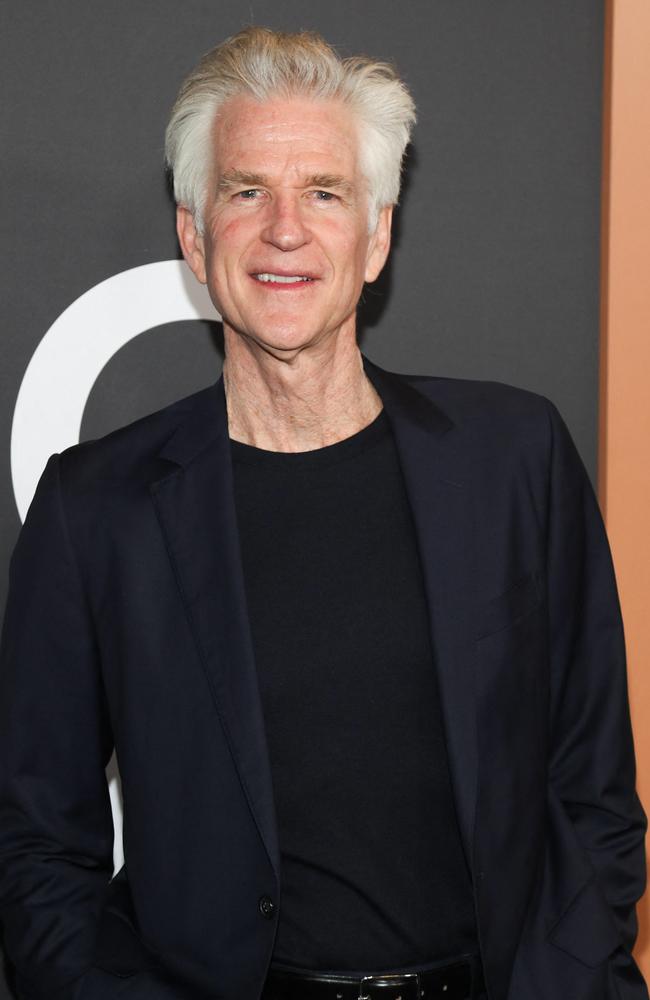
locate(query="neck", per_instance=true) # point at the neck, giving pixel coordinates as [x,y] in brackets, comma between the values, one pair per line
[317,397]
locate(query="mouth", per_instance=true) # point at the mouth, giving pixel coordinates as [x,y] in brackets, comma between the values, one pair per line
[285,281]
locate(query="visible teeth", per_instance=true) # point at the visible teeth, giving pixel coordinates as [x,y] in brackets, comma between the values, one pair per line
[282,278]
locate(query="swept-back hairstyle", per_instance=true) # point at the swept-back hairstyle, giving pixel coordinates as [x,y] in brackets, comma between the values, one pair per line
[264,63]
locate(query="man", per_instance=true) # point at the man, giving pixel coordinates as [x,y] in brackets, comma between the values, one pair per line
[354,636]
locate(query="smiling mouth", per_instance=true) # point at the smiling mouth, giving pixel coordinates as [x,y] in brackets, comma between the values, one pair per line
[282,279]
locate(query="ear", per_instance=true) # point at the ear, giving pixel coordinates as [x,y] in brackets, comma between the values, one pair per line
[379,244]
[191,243]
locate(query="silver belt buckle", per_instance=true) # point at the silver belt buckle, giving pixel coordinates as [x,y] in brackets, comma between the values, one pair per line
[396,979]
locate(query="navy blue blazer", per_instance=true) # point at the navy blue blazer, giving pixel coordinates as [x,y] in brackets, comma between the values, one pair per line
[126,626]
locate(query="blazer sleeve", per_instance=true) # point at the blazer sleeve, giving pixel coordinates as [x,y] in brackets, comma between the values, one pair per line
[56,827]
[592,766]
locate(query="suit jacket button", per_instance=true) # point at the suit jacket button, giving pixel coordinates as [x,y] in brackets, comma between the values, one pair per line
[267,907]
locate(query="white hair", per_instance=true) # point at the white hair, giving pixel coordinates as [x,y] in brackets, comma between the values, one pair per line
[264,64]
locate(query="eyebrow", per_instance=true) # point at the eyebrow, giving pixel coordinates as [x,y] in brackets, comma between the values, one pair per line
[329,181]
[234,178]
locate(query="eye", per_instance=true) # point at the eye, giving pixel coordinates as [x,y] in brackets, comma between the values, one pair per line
[249,195]
[324,196]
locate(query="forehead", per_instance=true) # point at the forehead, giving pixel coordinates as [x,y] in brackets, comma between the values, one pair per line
[286,134]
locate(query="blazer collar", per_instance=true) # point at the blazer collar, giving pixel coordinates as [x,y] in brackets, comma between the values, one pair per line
[403,402]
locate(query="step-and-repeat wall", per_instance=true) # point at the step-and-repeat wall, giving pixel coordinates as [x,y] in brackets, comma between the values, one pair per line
[494,272]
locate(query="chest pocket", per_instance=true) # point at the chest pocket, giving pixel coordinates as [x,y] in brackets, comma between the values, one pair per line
[509,607]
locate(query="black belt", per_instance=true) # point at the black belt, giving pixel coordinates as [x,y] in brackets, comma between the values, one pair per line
[459,980]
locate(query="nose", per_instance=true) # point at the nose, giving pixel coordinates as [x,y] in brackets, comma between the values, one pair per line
[285,227]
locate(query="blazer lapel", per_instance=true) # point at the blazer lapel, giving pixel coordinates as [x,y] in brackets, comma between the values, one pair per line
[440,493]
[195,506]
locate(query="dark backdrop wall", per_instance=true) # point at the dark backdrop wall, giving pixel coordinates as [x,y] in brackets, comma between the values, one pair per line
[494,272]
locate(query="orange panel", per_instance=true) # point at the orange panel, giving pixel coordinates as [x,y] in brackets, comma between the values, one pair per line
[624,473]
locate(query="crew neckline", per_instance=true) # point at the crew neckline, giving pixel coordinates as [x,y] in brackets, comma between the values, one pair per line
[361,440]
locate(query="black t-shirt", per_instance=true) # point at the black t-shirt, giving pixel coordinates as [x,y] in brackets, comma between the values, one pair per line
[373,875]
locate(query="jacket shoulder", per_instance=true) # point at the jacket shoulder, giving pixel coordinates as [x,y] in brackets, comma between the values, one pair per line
[130,452]
[477,399]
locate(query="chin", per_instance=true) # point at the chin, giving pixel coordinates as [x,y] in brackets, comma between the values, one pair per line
[286,341]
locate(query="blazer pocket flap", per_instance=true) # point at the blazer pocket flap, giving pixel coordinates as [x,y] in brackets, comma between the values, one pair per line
[587,930]
[507,608]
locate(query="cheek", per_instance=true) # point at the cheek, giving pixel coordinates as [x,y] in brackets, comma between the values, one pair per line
[232,232]
[348,251]
[358,255]
[228,240]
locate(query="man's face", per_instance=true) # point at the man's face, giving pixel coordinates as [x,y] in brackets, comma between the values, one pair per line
[286,248]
